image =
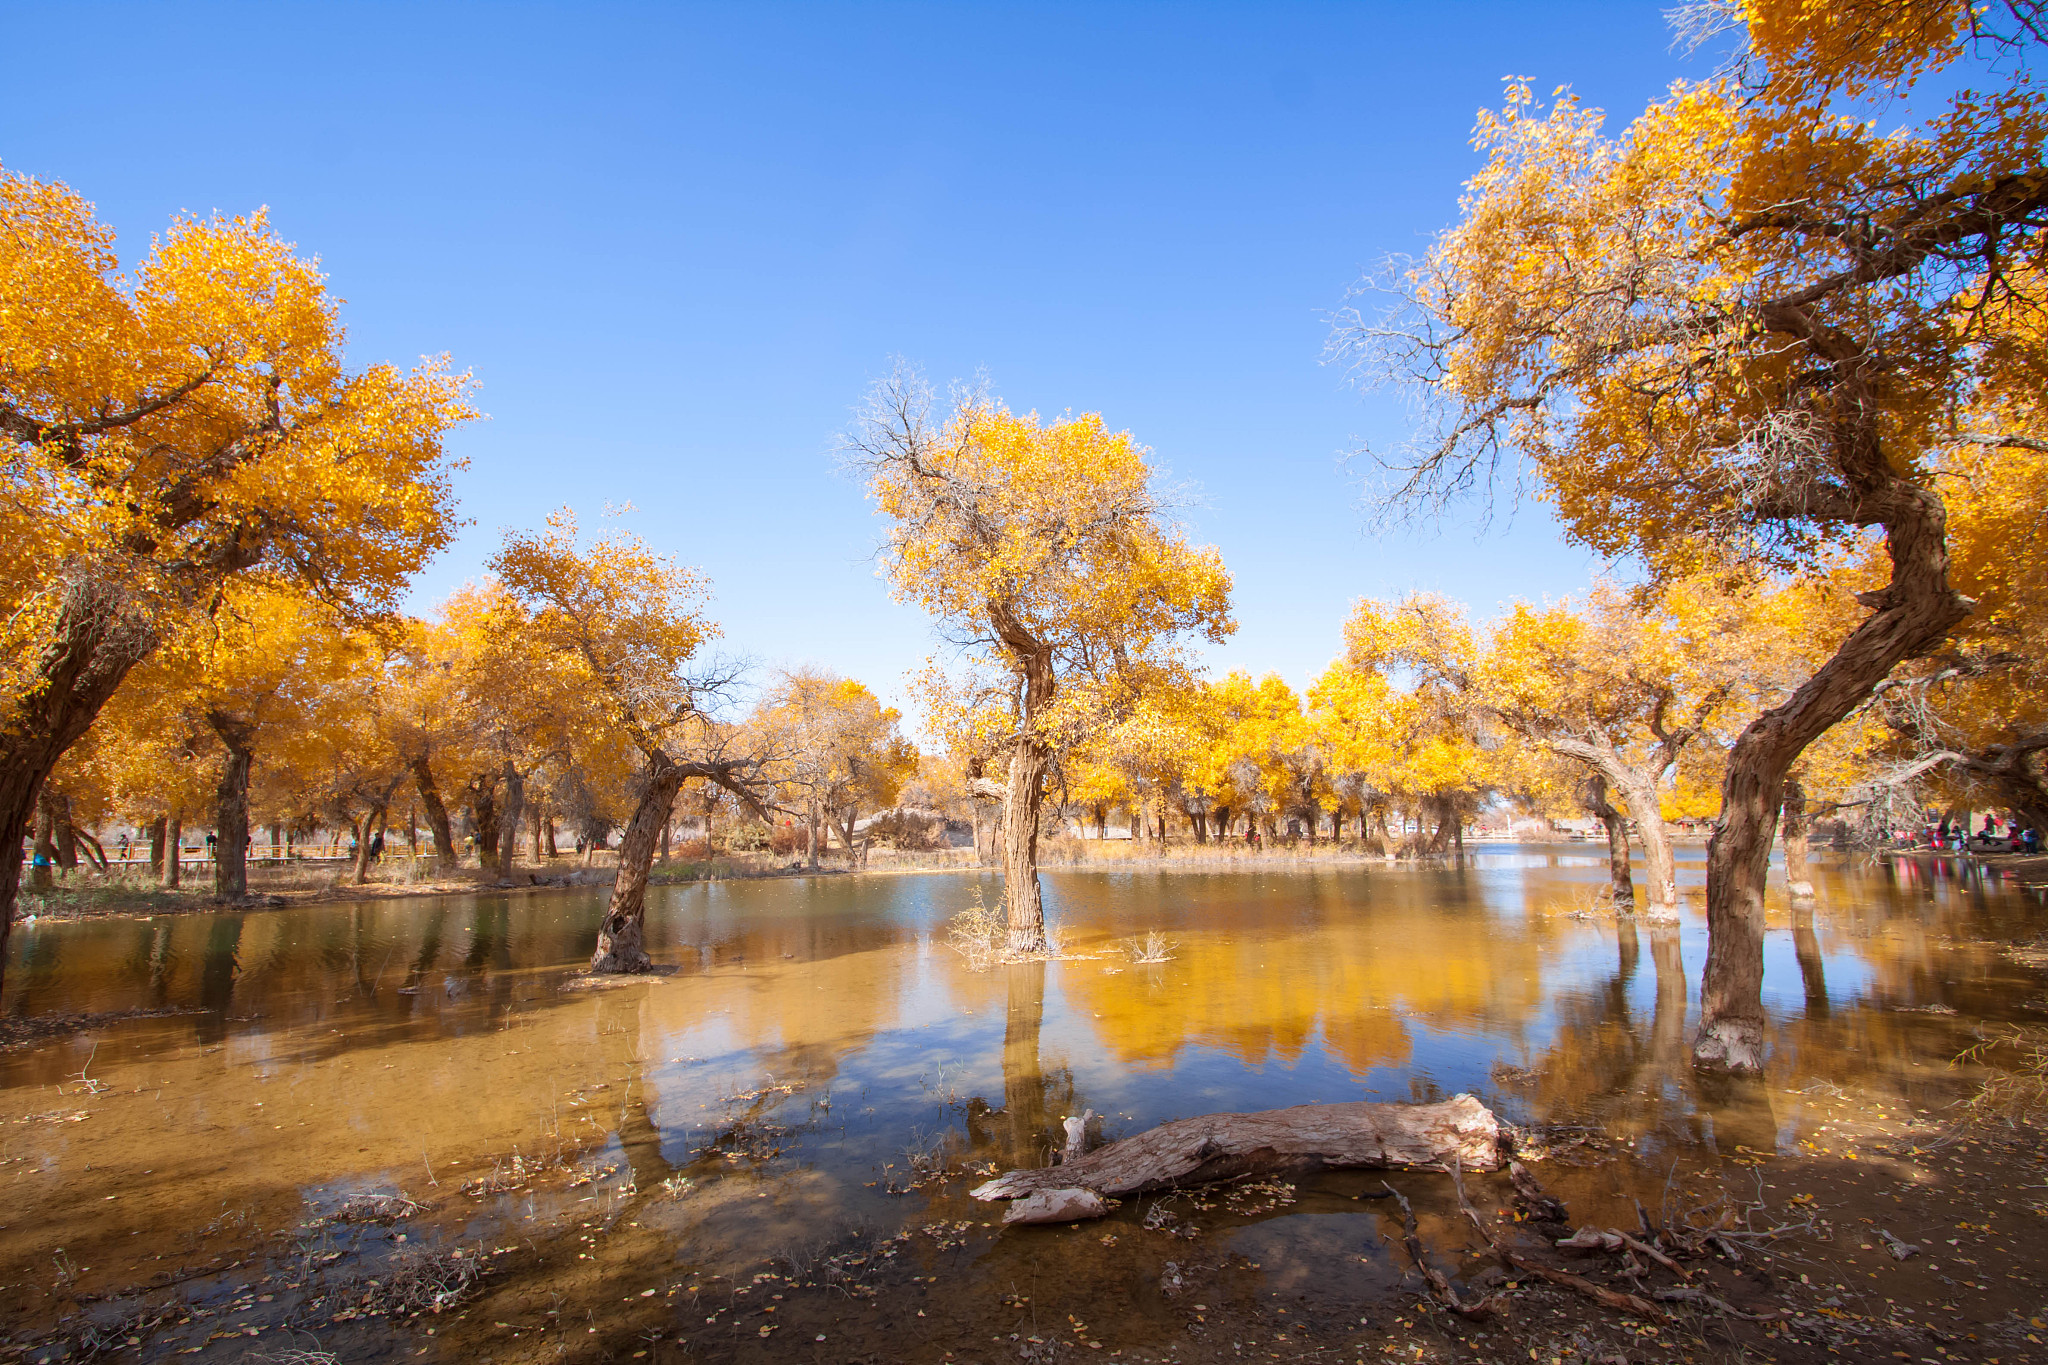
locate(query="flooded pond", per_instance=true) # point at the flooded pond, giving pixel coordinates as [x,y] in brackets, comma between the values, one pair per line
[806,1097]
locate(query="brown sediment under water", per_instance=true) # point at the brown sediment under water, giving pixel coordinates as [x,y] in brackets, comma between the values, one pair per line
[764,1152]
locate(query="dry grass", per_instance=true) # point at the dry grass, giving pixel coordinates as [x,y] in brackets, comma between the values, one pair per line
[1153,946]
[2016,1093]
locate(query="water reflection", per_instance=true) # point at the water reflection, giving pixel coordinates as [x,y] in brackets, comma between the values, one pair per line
[814,1030]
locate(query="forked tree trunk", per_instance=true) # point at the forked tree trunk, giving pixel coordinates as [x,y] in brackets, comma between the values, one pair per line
[1792,808]
[437,813]
[231,807]
[1620,883]
[1914,613]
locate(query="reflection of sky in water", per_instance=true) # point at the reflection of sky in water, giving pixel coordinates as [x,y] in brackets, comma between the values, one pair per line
[1287,986]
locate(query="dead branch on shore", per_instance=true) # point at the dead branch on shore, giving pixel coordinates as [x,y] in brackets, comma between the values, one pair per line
[1434,1278]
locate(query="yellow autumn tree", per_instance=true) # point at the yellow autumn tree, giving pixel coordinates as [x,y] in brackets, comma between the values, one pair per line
[625,624]
[1748,326]
[834,750]
[1045,553]
[167,432]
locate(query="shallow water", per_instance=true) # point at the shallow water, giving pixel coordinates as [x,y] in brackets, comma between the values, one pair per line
[817,1037]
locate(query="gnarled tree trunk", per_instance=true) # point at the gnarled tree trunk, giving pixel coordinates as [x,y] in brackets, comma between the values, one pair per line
[1914,613]
[621,938]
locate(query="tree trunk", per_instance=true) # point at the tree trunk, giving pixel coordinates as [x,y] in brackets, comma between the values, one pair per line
[67,833]
[231,807]
[553,850]
[1023,904]
[621,937]
[1621,886]
[174,848]
[814,833]
[97,637]
[483,815]
[1792,808]
[1308,1137]
[361,871]
[1638,790]
[1915,612]
[437,814]
[508,830]
[45,838]
[156,847]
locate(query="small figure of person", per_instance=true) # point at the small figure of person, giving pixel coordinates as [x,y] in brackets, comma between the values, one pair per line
[126,845]
[377,846]
[212,845]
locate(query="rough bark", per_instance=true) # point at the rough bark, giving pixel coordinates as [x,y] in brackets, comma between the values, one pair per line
[1621,885]
[1307,1137]
[437,813]
[98,636]
[156,847]
[1914,613]
[621,938]
[1792,809]
[231,807]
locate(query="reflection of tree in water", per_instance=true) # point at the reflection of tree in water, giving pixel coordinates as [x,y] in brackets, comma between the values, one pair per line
[618,1026]
[1607,1064]
[217,976]
[1811,971]
[1027,1128]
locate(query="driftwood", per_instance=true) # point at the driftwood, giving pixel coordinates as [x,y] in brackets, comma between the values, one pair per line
[1198,1151]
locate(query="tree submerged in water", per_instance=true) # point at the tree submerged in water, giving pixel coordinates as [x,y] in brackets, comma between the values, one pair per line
[1045,552]
[1748,331]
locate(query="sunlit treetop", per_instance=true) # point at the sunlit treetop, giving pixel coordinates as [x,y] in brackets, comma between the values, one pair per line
[195,420]
[626,618]
[1011,530]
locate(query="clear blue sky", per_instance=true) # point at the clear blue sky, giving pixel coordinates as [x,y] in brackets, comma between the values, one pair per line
[675,243]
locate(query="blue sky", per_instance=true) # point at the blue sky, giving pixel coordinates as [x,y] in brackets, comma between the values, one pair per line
[675,243]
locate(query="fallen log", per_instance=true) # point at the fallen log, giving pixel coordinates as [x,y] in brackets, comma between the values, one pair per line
[1308,1137]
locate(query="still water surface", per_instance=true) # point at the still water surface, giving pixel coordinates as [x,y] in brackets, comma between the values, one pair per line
[817,1033]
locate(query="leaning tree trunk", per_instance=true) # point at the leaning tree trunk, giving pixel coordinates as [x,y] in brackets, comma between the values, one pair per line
[437,814]
[621,939]
[1621,885]
[231,807]
[1914,613]
[97,637]
[1792,808]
